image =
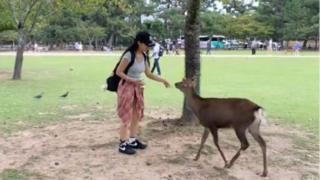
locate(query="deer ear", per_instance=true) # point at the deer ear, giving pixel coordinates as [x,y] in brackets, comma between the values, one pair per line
[183,79]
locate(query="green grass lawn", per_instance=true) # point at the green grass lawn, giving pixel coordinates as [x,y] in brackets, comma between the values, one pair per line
[286,87]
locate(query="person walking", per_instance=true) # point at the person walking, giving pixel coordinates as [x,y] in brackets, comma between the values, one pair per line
[297,48]
[157,53]
[130,93]
[254,45]
[209,46]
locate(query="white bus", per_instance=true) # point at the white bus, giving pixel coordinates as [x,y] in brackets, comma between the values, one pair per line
[203,41]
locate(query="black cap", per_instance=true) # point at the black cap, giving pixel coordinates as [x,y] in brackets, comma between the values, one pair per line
[145,38]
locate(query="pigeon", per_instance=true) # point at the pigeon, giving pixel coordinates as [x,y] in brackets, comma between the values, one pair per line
[65,94]
[39,96]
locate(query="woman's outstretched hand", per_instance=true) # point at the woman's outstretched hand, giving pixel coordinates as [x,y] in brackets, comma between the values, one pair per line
[166,83]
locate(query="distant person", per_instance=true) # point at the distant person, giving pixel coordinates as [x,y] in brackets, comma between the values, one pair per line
[157,53]
[35,47]
[164,45]
[179,43]
[175,47]
[76,46]
[209,46]
[168,47]
[297,48]
[270,45]
[80,46]
[254,45]
[107,49]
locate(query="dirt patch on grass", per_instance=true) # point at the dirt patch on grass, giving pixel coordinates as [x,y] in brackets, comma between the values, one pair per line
[5,75]
[81,148]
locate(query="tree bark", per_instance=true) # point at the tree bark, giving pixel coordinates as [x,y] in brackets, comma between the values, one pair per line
[192,53]
[304,46]
[19,56]
[111,40]
[96,45]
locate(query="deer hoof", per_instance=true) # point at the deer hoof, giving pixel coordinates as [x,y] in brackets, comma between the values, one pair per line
[228,165]
[196,159]
[264,174]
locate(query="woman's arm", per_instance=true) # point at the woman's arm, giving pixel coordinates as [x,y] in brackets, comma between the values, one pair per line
[121,68]
[154,77]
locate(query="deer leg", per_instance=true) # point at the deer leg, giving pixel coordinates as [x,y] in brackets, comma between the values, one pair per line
[241,134]
[203,140]
[214,132]
[254,131]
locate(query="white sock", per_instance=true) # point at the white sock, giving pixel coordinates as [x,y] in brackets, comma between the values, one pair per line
[132,139]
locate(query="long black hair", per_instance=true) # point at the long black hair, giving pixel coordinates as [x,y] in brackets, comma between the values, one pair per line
[132,48]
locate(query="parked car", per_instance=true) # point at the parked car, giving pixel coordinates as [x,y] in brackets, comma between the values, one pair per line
[231,44]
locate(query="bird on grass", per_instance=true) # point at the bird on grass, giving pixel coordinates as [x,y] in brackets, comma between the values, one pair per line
[65,94]
[39,96]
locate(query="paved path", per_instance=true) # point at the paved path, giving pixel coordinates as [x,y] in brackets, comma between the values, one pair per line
[92,53]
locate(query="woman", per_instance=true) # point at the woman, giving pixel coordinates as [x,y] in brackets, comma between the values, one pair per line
[130,91]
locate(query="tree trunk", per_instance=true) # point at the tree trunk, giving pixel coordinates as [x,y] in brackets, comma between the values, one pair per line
[192,53]
[111,40]
[304,46]
[96,45]
[19,56]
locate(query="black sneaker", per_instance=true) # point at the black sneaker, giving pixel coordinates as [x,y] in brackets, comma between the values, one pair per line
[137,145]
[126,149]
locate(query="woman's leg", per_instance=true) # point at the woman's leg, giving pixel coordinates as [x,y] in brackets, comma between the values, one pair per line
[124,140]
[134,129]
[134,126]
[154,65]
[124,132]
[158,67]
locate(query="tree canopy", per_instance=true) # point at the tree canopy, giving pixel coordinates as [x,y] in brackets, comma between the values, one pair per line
[111,22]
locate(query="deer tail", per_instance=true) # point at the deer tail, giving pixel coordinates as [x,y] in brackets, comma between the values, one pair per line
[260,116]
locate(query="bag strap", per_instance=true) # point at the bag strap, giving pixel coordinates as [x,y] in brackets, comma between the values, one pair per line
[133,55]
[133,58]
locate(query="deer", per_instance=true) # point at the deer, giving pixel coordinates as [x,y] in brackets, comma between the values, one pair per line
[215,113]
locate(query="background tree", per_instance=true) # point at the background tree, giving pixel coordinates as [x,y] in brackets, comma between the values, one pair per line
[213,23]
[271,14]
[24,15]
[8,36]
[301,20]
[295,20]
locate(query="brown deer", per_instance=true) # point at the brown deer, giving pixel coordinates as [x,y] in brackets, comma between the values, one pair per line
[214,113]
